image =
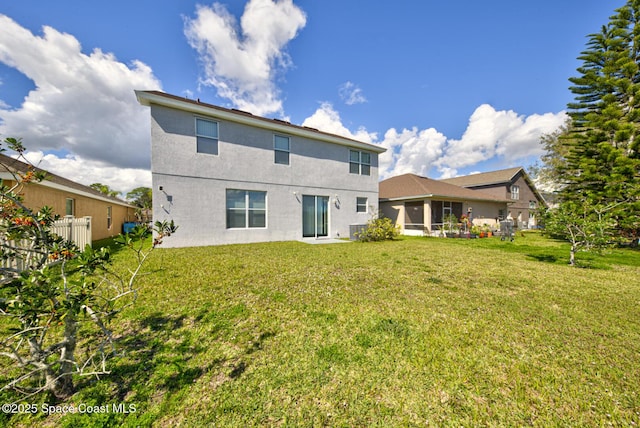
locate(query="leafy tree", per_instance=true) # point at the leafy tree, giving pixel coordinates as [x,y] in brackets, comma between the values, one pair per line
[546,173]
[56,300]
[599,154]
[104,189]
[141,197]
[586,227]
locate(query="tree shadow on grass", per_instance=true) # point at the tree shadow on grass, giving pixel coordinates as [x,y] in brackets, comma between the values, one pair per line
[547,258]
[162,356]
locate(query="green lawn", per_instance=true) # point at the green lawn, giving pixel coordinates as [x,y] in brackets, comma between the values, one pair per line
[414,332]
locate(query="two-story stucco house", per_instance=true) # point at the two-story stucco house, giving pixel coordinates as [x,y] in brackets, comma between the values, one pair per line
[226,176]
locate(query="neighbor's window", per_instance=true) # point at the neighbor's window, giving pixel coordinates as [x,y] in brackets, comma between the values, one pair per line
[70,208]
[246,209]
[515,192]
[206,136]
[281,147]
[359,162]
[109,221]
[361,205]
[532,205]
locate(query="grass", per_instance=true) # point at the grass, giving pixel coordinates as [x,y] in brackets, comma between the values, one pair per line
[414,332]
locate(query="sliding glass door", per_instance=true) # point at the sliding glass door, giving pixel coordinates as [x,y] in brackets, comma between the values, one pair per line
[315,216]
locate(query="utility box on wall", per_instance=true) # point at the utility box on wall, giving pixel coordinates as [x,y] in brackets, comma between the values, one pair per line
[355,229]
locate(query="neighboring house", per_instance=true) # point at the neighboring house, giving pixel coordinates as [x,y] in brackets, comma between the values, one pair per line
[420,205]
[68,198]
[513,184]
[226,176]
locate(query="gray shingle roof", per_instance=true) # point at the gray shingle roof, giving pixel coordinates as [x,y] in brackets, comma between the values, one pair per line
[485,178]
[409,186]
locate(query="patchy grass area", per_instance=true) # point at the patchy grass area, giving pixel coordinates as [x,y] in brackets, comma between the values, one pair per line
[419,331]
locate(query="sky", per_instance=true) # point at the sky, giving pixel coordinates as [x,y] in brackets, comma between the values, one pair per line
[449,88]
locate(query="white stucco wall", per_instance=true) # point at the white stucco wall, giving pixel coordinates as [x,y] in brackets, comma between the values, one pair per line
[194,185]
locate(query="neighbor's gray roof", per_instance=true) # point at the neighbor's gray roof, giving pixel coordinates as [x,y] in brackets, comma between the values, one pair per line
[412,186]
[485,178]
[11,165]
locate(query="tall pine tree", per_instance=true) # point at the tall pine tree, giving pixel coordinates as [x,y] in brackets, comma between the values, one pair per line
[602,164]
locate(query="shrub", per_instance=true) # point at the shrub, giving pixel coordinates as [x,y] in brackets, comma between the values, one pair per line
[378,229]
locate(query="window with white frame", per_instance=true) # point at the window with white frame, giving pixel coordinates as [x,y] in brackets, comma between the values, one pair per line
[206,136]
[109,218]
[361,205]
[515,192]
[359,162]
[281,148]
[246,209]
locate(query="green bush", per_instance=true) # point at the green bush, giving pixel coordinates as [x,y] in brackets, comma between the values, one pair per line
[379,229]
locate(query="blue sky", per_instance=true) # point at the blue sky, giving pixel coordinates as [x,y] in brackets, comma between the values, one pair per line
[449,88]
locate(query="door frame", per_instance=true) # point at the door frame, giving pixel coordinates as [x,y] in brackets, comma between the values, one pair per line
[317,215]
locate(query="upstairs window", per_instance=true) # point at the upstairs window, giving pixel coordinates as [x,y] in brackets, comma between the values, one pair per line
[206,136]
[281,148]
[359,162]
[515,192]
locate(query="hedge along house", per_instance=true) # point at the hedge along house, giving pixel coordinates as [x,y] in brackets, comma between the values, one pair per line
[68,198]
[226,176]
[513,184]
[420,205]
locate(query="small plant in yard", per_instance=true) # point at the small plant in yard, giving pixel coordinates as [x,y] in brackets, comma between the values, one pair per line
[56,309]
[450,224]
[378,229]
[588,228]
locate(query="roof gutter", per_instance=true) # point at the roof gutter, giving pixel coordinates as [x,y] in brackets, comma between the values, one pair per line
[444,197]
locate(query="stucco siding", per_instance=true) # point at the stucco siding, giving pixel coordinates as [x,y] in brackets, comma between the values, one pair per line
[485,212]
[36,196]
[247,154]
[194,184]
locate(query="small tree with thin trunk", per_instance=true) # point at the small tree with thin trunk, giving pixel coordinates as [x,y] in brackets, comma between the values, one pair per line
[586,227]
[57,301]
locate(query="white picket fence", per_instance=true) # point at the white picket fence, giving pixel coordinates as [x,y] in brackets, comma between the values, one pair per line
[77,230]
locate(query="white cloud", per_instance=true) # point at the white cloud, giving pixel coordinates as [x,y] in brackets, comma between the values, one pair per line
[243,63]
[87,172]
[351,94]
[491,134]
[503,134]
[82,103]
[327,119]
[410,151]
